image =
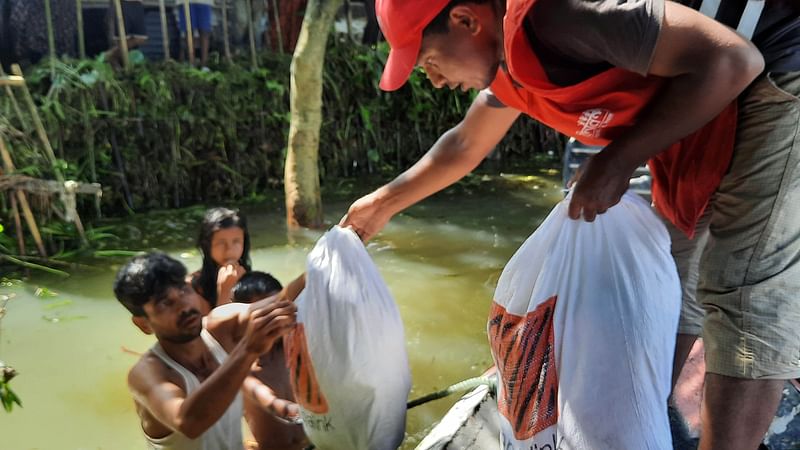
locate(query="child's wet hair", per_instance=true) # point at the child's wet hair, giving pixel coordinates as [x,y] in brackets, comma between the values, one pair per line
[216,219]
[254,286]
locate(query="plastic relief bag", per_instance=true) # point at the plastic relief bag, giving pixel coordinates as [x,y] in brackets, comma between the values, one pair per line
[347,355]
[582,330]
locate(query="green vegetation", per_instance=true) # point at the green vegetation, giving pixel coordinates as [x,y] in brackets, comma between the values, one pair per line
[165,135]
[7,396]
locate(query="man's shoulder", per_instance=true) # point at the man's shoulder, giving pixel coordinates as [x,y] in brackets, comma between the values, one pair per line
[149,371]
[574,33]
[553,14]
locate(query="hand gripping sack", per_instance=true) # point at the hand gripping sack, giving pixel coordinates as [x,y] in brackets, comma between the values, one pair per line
[582,330]
[347,355]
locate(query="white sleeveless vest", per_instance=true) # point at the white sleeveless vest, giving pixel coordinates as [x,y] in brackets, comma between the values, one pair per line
[226,433]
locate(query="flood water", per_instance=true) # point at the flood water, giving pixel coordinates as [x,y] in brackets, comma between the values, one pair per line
[72,343]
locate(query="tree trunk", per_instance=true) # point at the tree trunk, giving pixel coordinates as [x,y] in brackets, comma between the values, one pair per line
[301,178]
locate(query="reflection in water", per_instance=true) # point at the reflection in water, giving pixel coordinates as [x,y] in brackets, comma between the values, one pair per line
[441,260]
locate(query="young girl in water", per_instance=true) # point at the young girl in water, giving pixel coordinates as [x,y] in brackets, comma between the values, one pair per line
[225,245]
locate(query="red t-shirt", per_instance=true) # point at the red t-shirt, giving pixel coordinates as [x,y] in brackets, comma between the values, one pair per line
[607,103]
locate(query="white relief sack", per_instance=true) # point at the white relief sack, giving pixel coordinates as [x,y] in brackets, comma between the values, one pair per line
[347,356]
[583,329]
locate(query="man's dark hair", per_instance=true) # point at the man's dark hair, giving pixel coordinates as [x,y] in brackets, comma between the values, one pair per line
[440,23]
[254,286]
[145,277]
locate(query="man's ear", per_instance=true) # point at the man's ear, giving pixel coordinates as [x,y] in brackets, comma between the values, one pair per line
[142,323]
[466,17]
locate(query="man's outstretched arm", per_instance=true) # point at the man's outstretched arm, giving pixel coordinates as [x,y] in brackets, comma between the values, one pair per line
[457,152]
[266,399]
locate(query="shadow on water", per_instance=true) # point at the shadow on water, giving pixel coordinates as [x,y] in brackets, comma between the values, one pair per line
[72,343]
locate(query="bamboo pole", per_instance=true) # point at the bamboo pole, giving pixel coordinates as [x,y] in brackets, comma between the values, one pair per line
[37,122]
[30,265]
[23,200]
[162,11]
[51,39]
[26,211]
[277,18]
[187,17]
[42,133]
[12,81]
[349,20]
[76,219]
[45,187]
[122,34]
[252,33]
[13,98]
[17,224]
[81,38]
[225,33]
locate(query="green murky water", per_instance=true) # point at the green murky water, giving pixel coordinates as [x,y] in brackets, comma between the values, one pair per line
[441,260]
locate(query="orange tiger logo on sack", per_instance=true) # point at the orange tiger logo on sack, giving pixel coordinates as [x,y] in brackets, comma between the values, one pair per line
[524,352]
[301,372]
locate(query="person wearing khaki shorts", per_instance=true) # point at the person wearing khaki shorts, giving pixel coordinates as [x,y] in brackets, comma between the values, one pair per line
[650,80]
[741,272]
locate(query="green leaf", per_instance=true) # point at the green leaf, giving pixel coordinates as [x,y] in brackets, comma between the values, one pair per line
[115,253]
[14,397]
[365,117]
[43,292]
[90,78]
[58,319]
[59,110]
[136,57]
[276,86]
[8,397]
[373,155]
[59,304]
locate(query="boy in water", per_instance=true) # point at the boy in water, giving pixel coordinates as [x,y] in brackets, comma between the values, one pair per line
[269,404]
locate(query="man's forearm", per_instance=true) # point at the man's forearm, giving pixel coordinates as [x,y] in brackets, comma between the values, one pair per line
[293,289]
[445,163]
[261,395]
[671,118]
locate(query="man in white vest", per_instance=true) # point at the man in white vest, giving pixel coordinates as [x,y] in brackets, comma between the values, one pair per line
[186,387]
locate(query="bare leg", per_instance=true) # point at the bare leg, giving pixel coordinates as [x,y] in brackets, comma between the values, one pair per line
[686,253]
[737,412]
[205,39]
[182,49]
[683,346]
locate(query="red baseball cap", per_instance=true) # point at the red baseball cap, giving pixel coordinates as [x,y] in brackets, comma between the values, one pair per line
[402,23]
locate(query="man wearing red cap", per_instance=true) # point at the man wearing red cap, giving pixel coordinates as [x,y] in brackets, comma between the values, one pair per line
[713,109]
